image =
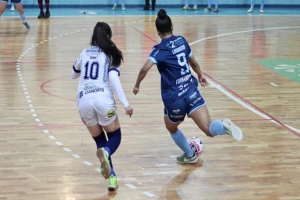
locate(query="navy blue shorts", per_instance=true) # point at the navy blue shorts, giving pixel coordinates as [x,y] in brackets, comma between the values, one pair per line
[13,1]
[177,111]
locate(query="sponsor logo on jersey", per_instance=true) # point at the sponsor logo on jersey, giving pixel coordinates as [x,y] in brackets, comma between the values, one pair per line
[183,91]
[93,57]
[177,50]
[110,113]
[92,51]
[178,116]
[193,96]
[94,90]
[183,79]
[175,43]
[176,111]
[180,87]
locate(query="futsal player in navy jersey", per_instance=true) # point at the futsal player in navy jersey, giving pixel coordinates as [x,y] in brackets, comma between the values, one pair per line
[179,88]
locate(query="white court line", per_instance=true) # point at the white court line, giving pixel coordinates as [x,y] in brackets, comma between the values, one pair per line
[59,143]
[130,186]
[67,149]
[274,84]
[87,163]
[76,156]
[148,194]
[221,89]
[246,31]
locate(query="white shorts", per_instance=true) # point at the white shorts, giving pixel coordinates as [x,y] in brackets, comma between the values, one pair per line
[100,110]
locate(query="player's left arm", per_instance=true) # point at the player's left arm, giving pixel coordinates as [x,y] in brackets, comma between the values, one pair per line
[142,74]
[76,68]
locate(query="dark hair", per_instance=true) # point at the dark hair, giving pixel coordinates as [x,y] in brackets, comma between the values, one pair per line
[163,22]
[102,38]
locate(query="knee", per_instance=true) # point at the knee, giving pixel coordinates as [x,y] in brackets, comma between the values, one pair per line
[208,134]
[171,129]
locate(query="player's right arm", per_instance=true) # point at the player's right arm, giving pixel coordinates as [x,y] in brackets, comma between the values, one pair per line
[144,70]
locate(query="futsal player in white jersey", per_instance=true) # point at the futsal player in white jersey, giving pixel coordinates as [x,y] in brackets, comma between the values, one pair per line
[99,69]
[19,7]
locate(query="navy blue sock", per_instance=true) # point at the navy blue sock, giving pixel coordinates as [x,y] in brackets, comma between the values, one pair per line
[114,140]
[100,140]
[112,171]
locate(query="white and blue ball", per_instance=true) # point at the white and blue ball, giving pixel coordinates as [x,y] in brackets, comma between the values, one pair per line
[196,145]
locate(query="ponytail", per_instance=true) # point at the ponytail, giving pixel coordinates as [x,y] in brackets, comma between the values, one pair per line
[102,38]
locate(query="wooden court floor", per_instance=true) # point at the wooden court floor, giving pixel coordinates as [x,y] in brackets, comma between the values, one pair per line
[47,153]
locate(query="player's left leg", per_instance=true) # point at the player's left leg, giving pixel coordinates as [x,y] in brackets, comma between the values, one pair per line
[20,9]
[262,3]
[208,6]
[123,5]
[199,113]
[47,14]
[153,4]
[174,115]
[216,6]
[115,5]
[12,7]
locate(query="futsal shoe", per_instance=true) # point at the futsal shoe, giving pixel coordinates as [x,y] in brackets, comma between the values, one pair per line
[41,15]
[250,10]
[186,7]
[186,160]
[26,25]
[207,9]
[146,8]
[103,158]
[112,183]
[233,130]
[47,15]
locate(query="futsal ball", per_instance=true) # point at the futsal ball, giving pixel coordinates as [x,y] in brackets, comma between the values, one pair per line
[196,145]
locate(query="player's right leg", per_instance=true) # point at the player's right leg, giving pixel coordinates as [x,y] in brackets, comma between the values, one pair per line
[174,115]
[20,9]
[199,113]
[3,5]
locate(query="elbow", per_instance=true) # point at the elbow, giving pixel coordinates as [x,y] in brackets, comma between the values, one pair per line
[143,71]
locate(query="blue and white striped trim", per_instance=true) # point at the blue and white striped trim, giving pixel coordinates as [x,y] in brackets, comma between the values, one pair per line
[152,59]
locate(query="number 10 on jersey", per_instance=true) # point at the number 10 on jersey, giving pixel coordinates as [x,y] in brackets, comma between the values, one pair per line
[91,70]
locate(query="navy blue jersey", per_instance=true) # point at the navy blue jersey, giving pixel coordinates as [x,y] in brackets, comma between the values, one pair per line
[171,57]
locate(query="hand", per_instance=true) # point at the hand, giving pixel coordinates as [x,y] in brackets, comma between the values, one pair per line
[136,90]
[203,82]
[129,110]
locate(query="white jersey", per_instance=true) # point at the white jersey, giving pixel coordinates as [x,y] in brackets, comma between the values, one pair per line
[93,66]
